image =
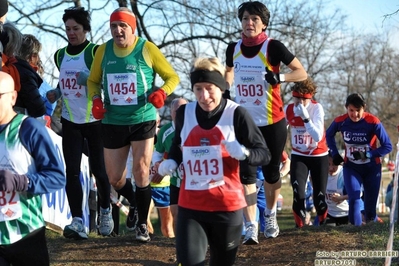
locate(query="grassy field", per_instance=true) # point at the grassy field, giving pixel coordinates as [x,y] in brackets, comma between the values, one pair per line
[295,247]
[286,189]
[286,221]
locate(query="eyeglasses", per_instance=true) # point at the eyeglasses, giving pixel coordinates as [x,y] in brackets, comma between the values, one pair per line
[1,94]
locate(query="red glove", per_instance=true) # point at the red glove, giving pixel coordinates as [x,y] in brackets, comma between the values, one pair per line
[98,108]
[157,98]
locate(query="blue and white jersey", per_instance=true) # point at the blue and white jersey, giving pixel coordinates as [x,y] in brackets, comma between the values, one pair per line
[359,136]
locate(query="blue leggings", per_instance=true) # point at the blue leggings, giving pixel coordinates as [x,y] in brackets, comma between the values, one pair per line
[368,175]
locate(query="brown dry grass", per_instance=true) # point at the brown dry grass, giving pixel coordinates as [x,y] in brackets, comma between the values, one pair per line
[291,247]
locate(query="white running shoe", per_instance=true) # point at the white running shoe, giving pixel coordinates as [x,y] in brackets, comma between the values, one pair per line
[76,229]
[106,223]
[271,227]
[251,235]
[142,234]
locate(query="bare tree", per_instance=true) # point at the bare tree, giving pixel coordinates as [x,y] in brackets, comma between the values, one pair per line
[367,65]
[310,32]
[184,29]
[390,15]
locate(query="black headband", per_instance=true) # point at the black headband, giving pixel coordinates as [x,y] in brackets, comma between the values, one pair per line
[213,77]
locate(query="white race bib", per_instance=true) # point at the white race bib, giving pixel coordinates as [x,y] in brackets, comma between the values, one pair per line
[69,87]
[10,206]
[352,148]
[203,167]
[122,88]
[301,140]
[250,88]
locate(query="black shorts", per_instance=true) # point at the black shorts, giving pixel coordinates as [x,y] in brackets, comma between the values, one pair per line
[248,173]
[116,136]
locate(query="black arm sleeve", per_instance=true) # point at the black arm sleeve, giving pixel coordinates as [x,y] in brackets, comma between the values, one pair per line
[249,135]
[175,152]
[277,52]
[229,54]
[55,59]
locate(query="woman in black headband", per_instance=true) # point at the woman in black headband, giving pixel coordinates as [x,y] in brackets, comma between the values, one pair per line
[218,134]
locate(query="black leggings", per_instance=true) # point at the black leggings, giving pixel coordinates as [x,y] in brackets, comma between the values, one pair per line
[30,250]
[275,136]
[300,168]
[73,143]
[197,229]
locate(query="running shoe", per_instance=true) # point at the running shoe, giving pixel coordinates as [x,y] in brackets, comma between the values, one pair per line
[75,230]
[251,235]
[271,227]
[106,223]
[142,234]
[131,219]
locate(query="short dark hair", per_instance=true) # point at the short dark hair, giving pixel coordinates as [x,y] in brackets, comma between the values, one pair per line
[255,8]
[355,99]
[80,15]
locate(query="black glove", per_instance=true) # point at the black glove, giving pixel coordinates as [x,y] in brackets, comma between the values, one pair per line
[226,94]
[337,159]
[271,77]
[12,182]
[359,155]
